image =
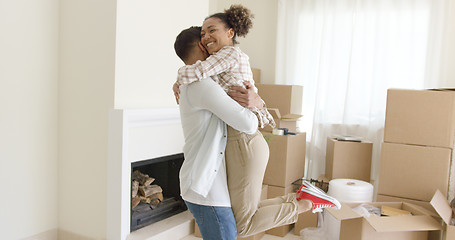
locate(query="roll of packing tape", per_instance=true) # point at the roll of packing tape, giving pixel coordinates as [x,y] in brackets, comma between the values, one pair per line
[277,131]
[351,190]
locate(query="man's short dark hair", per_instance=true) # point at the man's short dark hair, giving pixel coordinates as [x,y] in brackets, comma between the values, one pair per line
[186,40]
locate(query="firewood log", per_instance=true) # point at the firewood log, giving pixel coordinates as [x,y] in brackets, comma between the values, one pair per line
[134,188]
[149,190]
[143,179]
[156,198]
[148,181]
[135,201]
[145,200]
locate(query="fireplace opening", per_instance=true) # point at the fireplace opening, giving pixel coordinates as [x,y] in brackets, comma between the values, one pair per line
[155,190]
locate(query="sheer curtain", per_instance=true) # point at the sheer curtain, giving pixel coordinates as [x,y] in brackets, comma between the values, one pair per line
[347,53]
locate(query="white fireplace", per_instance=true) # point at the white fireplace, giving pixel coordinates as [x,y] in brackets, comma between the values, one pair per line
[136,135]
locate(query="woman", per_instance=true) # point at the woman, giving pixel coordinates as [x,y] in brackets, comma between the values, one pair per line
[246,154]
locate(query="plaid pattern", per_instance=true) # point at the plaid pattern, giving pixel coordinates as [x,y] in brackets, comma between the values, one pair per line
[228,67]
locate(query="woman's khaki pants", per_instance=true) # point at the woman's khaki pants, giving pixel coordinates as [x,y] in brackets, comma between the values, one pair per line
[246,160]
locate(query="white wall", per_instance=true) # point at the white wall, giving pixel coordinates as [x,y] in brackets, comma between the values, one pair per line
[86,94]
[118,54]
[260,43]
[28,122]
[146,64]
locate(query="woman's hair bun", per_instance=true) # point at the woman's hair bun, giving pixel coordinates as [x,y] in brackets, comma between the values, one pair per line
[239,18]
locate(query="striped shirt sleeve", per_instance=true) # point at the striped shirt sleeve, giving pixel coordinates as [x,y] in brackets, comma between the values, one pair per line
[222,61]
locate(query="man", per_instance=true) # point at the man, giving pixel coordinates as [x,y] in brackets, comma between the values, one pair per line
[205,109]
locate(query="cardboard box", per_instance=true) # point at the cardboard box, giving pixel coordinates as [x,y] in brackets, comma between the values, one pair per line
[346,159]
[414,172]
[442,207]
[256,75]
[289,122]
[346,224]
[426,205]
[286,98]
[274,191]
[421,117]
[306,219]
[287,159]
[258,236]
[433,235]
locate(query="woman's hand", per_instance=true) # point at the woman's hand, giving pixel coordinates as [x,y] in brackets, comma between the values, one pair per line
[246,96]
[176,90]
[203,49]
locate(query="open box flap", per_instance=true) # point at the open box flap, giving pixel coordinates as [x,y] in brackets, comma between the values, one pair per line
[403,223]
[275,112]
[428,212]
[345,212]
[292,116]
[442,207]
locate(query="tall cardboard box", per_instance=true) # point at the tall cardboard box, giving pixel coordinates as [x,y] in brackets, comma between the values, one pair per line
[287,98]
[420,117]
[345,159]
[414,172]
[346,224]
[274,191]
[258,236]
[287,159]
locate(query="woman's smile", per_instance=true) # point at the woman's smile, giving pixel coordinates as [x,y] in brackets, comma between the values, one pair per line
[215,35]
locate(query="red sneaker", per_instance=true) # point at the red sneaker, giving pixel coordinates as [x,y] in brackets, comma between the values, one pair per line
[312,187]
[319,200]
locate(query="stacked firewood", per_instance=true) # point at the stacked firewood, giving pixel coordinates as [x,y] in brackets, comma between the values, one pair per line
[144,191]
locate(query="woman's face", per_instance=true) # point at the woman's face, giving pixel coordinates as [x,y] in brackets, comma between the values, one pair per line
[215,35]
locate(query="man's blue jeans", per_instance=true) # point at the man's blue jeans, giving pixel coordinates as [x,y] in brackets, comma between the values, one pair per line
[215,223]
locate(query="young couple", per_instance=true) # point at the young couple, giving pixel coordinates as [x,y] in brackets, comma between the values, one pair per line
[225,154]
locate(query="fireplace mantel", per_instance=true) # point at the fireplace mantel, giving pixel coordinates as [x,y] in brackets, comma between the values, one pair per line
[135,135]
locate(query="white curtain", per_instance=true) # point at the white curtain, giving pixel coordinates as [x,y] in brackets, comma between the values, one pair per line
[347,53]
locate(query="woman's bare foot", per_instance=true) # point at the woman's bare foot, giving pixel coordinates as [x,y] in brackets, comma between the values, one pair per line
[304,205]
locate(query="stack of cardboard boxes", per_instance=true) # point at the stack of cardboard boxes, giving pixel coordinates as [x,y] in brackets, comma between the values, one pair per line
[419,136]
[416,161]
[417,153]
